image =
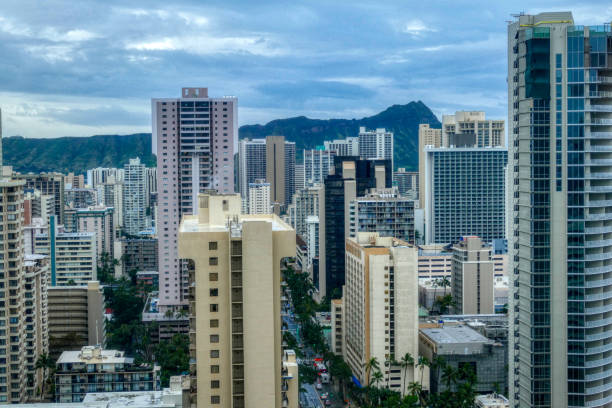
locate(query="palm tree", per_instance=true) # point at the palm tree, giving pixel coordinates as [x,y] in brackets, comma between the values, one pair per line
[371,364]
[434,283]
[423,361]
[377,377]
[406,361]
[445,283]
[43,363]
[415,388]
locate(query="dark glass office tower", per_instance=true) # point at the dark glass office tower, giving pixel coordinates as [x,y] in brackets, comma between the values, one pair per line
[351,178]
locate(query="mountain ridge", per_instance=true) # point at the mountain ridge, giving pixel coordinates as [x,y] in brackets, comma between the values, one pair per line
[77,154]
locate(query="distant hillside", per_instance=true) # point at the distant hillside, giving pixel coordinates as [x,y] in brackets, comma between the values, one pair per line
[77,154]
[307,133]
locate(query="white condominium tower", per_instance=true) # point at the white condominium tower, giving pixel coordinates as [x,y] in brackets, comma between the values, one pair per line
[134,197]
[195,138]
[560,125]
[376,144]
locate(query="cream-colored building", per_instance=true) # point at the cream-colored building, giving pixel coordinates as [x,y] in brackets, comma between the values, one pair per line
[473,276]
[15,366]
[380,310]
[435,262]
[337,332]
[235,302]
[36,315]
[259,197]
[486,132]
[76,317]
[428,136]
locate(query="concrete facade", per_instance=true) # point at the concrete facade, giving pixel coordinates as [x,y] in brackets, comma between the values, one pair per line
[195,138]
[380,306]
[134,197]
[473,277]
[234,262]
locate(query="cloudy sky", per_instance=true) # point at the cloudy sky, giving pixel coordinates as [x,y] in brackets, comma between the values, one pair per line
[77,68]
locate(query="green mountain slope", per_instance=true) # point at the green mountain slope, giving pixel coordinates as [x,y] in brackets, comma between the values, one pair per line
[77,154]
[403,120]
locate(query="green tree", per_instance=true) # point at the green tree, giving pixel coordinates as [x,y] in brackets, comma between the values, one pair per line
[371,364]
[173,357]
[44,363]
[405,362]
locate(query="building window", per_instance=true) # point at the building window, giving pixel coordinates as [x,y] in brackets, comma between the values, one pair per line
[213,260]
[214,384]
[214,369]
[213,276]
[214,338]
[215,399]
[214,353]
[214,307]
[214,292]
[212,246]
[214,323]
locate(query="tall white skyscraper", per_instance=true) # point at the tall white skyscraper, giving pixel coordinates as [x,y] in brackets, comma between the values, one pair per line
[195,138]
[560,126]
[259,197]
[252,163]
[134,197]
[317,164]
[376,144]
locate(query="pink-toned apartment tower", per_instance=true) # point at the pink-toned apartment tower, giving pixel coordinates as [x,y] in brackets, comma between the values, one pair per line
[195,138]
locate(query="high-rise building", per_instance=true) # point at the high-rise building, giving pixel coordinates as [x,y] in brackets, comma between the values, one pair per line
[235,274]
[134,197]
[136,254]
[47,184]
[35,315]
[465,193]
[305,203]
[195,139]
[259,197]
[343,147]
[407,182]
[299,177]
[376,144]
[80,197]
[40,206]
[472,129]
[101,175]
[110,194]
[74,181]
[13,367]
[280,169]
[384,212]
[150,184]
[98,220]
[252,164]
[317,164]
[380,307]
[473,276]
[73,255]
[351,178]
[75,317]
[428,136]
[560,121]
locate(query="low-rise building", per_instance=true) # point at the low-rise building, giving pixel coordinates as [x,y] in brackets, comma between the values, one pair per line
[76,317]
[93,369]
[459,346]
[136,254]
[165,324]
[491,401]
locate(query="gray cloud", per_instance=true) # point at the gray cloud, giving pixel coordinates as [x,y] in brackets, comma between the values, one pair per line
[88,67]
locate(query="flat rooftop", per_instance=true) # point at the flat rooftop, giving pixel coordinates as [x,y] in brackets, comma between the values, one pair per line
[454,335]
[105,356]
[191,223]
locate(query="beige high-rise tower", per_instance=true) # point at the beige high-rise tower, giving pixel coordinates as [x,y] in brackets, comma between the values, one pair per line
[275,169]
[472,277]
[235,302]
[427,137]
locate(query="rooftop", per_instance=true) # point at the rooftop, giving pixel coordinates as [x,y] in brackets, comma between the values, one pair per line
[454,335]
[94,355]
